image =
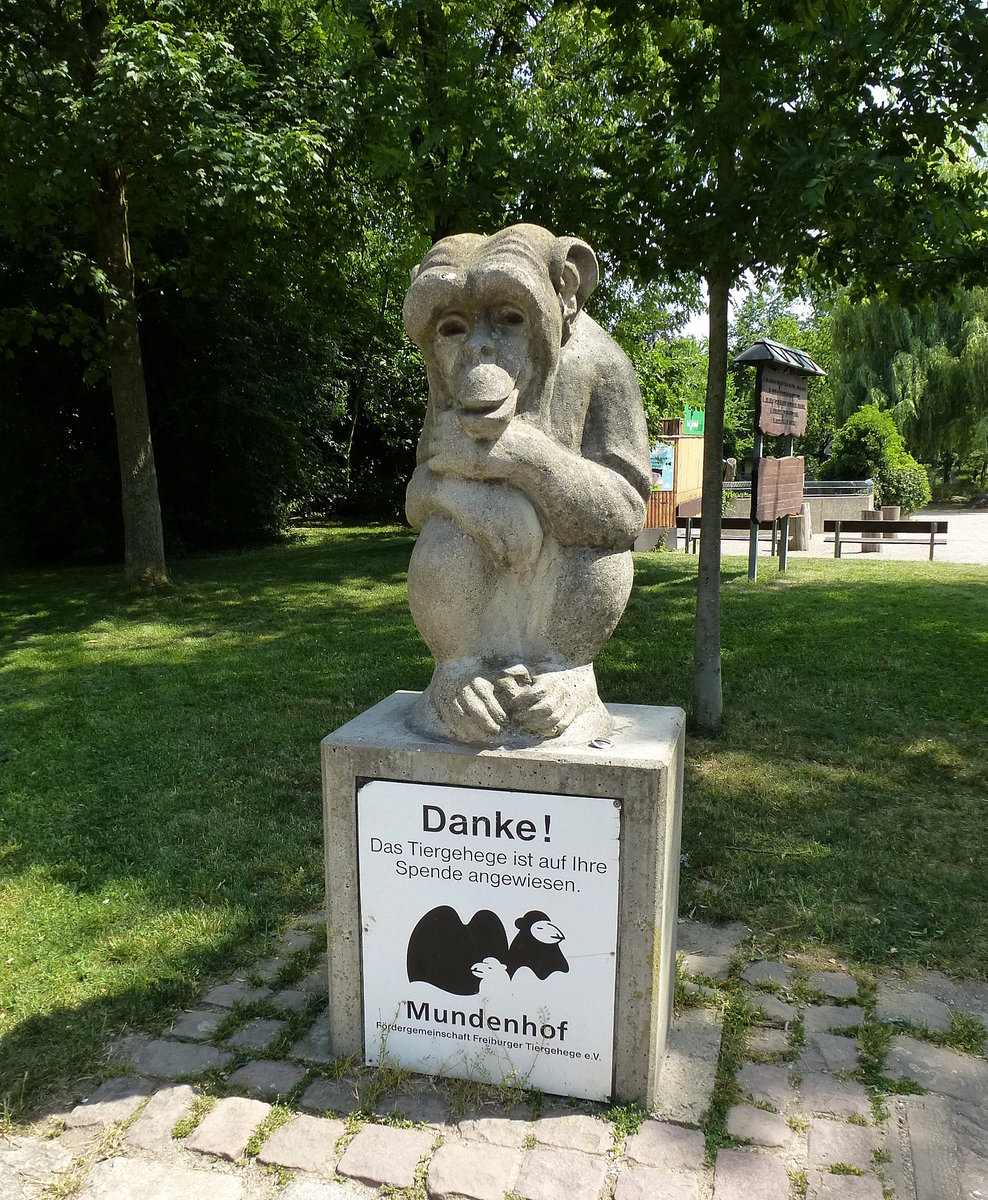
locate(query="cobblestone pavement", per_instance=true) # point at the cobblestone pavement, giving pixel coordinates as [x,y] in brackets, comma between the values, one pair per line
[842,1090]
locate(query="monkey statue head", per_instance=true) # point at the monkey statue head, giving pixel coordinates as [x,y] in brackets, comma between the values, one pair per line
[490,315]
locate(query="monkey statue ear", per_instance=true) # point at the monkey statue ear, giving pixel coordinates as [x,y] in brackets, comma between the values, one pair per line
[414,274]
[576,276]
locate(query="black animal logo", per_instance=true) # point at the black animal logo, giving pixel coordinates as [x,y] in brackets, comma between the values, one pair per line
[458,957]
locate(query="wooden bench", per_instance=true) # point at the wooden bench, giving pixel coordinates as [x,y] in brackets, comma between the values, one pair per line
[873,530]
[691,525]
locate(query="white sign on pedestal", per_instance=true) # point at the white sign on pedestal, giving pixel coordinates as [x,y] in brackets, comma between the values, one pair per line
[489,933]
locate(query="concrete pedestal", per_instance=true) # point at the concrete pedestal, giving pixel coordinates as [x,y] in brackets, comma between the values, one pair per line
[642,769]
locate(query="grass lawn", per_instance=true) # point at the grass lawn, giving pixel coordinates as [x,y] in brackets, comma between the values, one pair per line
[160,815]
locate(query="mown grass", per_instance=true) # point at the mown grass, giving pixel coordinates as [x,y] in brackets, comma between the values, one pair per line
[160,817]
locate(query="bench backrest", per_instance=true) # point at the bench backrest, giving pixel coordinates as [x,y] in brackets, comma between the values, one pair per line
[879,527]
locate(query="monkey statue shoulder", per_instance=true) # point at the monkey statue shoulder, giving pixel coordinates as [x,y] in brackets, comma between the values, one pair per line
[530,487]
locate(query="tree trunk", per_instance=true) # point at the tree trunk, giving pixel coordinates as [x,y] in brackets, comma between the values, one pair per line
[144,551]
[708,702]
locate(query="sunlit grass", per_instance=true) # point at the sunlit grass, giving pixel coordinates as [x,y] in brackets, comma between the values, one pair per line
[160,816]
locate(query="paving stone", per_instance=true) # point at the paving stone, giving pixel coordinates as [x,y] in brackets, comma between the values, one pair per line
[707,949]
[823,1186]
[332,1095]
[268,969]
[422,1104]
[938,1154]
[828,1052]
[114,1100]
[938,1069]
[257,1034]
[744,1174]
[169,1060]
[689,1069]
[767,972]
[770,1043]
[199,1025]
[772,1007]
[472,1172]
[758,1126]
[767,1083]
[303,1144]
[316,983]
[575,1132]
[969,995]
[496,1131]
[821,1018]
[238,992]
[918,1008]
[841,1097]
[290,999]
[135,1179]
[561,1175]
[381,1154]
[314,1046]
[659,1144]
[838,985]
[653,1183]
[266,1077]
[124,1049]
[226,1130]
[832,1142]
[28,1164]
[153,1128]
[314,918]
[293,940]
[314,1189]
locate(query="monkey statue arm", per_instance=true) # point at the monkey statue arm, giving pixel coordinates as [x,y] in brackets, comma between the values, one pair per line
[500,518]
[583,502]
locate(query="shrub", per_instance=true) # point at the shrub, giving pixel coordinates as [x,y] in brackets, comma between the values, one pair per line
[869,446]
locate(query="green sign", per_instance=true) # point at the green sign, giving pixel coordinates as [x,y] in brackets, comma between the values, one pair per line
[692,421]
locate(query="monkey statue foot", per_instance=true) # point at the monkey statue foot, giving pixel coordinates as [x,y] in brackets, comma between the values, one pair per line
[465,702]
[468,702]
[548,703]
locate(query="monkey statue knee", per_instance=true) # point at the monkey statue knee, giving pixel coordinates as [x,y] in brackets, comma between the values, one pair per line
[530,487]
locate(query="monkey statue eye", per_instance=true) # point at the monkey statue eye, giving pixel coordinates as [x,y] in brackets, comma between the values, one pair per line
[514,318]
[452,325]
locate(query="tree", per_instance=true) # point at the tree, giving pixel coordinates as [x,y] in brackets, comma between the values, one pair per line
[117,108]
[926,364]
[868,446]
[792,142]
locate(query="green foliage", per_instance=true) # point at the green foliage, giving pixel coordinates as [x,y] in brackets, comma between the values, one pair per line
[868,446]
[766,313]
[927,364]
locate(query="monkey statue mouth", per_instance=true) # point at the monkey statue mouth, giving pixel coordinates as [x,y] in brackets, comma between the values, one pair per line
[487,388]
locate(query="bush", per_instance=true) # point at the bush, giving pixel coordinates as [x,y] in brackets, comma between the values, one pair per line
[869,446]
[907,485]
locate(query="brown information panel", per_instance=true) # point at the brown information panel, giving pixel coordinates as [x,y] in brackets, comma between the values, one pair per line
[782,403]
[780,488]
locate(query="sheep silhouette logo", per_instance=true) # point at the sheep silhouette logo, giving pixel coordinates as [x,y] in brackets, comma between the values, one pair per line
[458,957]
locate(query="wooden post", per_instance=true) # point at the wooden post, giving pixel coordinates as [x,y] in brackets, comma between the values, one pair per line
[756,456]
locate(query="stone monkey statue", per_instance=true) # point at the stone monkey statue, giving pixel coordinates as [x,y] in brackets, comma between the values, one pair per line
[532,478]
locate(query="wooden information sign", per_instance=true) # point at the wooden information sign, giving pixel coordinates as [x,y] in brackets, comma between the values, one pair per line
[782,402]
[780,488]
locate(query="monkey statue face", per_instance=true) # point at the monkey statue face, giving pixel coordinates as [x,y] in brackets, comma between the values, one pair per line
[481,356]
